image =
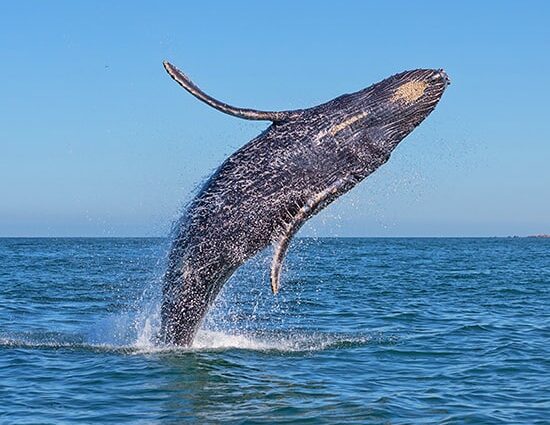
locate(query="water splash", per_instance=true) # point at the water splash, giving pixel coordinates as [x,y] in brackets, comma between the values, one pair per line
[205,341]
[287,343]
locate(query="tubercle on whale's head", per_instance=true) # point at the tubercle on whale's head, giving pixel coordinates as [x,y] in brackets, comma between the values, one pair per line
[385,113]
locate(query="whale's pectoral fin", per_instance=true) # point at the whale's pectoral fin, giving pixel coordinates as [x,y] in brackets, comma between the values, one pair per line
[278,257]
[311,207]
[249,114]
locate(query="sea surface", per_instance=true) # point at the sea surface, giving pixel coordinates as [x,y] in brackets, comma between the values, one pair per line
[366,331]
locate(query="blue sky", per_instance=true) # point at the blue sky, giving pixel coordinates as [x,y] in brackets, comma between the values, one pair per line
[96,140]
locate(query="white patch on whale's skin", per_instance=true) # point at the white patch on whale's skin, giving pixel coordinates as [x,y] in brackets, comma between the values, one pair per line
[337,128]
[410,91]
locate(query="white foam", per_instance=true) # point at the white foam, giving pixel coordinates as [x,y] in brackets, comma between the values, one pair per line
[205,341]
[215,340]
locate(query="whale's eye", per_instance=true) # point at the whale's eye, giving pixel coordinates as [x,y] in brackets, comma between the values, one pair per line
[409,92]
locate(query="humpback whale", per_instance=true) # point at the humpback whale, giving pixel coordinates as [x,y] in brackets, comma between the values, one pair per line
[264,192]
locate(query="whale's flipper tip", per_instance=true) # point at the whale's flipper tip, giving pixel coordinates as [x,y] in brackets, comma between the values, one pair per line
[171,69]
[248,114]
[180,78]
[275,285]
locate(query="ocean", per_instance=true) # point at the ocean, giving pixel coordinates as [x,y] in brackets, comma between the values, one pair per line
[366,331]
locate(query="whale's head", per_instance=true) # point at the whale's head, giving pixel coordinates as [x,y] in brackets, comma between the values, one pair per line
[374,120]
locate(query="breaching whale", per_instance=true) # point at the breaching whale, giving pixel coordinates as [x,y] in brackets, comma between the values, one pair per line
[264,192]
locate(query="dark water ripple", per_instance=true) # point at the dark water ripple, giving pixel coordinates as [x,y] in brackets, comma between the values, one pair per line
[393,331]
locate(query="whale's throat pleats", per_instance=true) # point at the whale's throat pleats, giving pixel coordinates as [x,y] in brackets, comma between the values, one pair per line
[248,114]
[282,242]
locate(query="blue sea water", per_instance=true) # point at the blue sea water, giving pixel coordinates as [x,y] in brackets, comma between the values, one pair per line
[381,331]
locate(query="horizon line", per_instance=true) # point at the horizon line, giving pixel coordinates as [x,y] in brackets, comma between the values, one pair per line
[534,236]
